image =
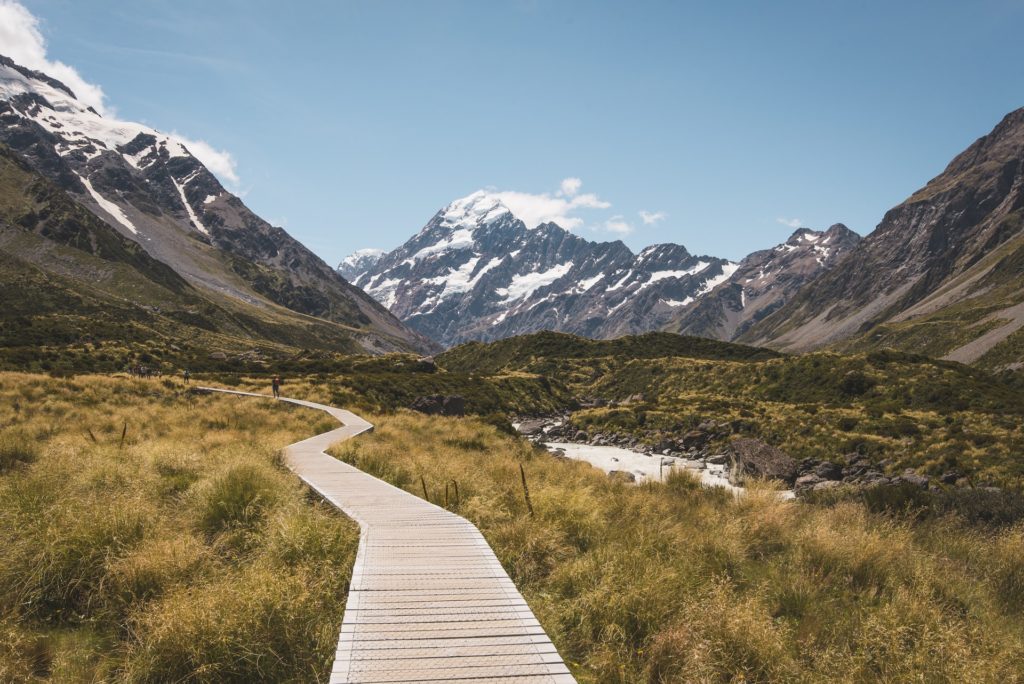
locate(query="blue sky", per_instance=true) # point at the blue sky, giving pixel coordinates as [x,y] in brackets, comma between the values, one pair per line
[351,123]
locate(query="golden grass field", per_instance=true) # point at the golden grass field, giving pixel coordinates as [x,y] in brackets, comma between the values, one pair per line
[189,553]
[675,583]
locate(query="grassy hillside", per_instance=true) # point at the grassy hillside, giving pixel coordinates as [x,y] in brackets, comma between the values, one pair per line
[529,351]
[149,536]
[390,382]
[900,409]
[673,583]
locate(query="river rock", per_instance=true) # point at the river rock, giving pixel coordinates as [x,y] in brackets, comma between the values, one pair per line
[758,459]
[871,478]
[912,478]
[622,476]
[950,477]
[695,439]
[807,482]
[828,471]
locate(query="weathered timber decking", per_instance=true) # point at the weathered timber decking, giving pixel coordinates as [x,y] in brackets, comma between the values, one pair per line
[428,601]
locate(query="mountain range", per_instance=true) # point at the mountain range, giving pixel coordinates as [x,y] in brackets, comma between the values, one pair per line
[477,272]
[114,230]
[230,272]
[941,275]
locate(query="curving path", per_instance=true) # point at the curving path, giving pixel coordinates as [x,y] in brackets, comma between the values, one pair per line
[428,601]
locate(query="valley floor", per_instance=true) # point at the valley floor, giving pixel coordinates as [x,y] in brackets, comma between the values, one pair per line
[179,548]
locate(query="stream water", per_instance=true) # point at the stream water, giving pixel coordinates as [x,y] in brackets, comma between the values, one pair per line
[645,466]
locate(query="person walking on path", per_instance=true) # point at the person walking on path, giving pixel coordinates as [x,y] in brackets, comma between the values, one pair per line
[275,384]
[186,375]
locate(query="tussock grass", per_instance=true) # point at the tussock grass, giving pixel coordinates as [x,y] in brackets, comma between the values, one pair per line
[185,552]
[904,410]
[16,448]
[675,583]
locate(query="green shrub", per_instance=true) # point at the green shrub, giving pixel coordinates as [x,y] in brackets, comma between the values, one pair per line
[856,383]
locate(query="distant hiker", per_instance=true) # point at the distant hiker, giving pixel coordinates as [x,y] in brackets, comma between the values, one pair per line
[186,375]
[276,385]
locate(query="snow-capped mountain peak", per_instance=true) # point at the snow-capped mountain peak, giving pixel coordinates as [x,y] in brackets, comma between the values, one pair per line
[473,211]
[80,129]
[476,271]
[359,262]
[151,189]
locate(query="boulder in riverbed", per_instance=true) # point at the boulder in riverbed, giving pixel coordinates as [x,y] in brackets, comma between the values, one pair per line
[531,427]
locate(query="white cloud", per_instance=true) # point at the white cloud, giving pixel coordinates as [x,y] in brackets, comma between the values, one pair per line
[535,209]
[792,223]
[651,217]
[220,162]
[618,224]
[21,40]
[570,186]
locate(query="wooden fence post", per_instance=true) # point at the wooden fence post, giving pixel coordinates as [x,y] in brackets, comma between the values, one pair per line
[526,490]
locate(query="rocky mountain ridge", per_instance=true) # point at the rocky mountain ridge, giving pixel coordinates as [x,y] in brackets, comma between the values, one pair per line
[764,281]
[477,272]
[941,274]
[151,189]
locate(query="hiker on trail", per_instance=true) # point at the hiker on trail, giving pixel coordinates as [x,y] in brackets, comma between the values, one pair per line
[186,375]
[276,385]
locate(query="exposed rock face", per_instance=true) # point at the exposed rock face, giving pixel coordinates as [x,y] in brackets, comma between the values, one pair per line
[752,457]
[942,273]
[764,281]
[148,186]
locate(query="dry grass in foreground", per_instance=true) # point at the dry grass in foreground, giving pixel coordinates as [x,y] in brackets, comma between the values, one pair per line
[673,583]
[174,549]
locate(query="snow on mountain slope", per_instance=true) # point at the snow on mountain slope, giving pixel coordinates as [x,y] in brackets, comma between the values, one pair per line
[761,283]
[477,272]
[359,262]
[147,185]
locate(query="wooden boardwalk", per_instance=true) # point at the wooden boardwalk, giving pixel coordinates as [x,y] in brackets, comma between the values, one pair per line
[428,601]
